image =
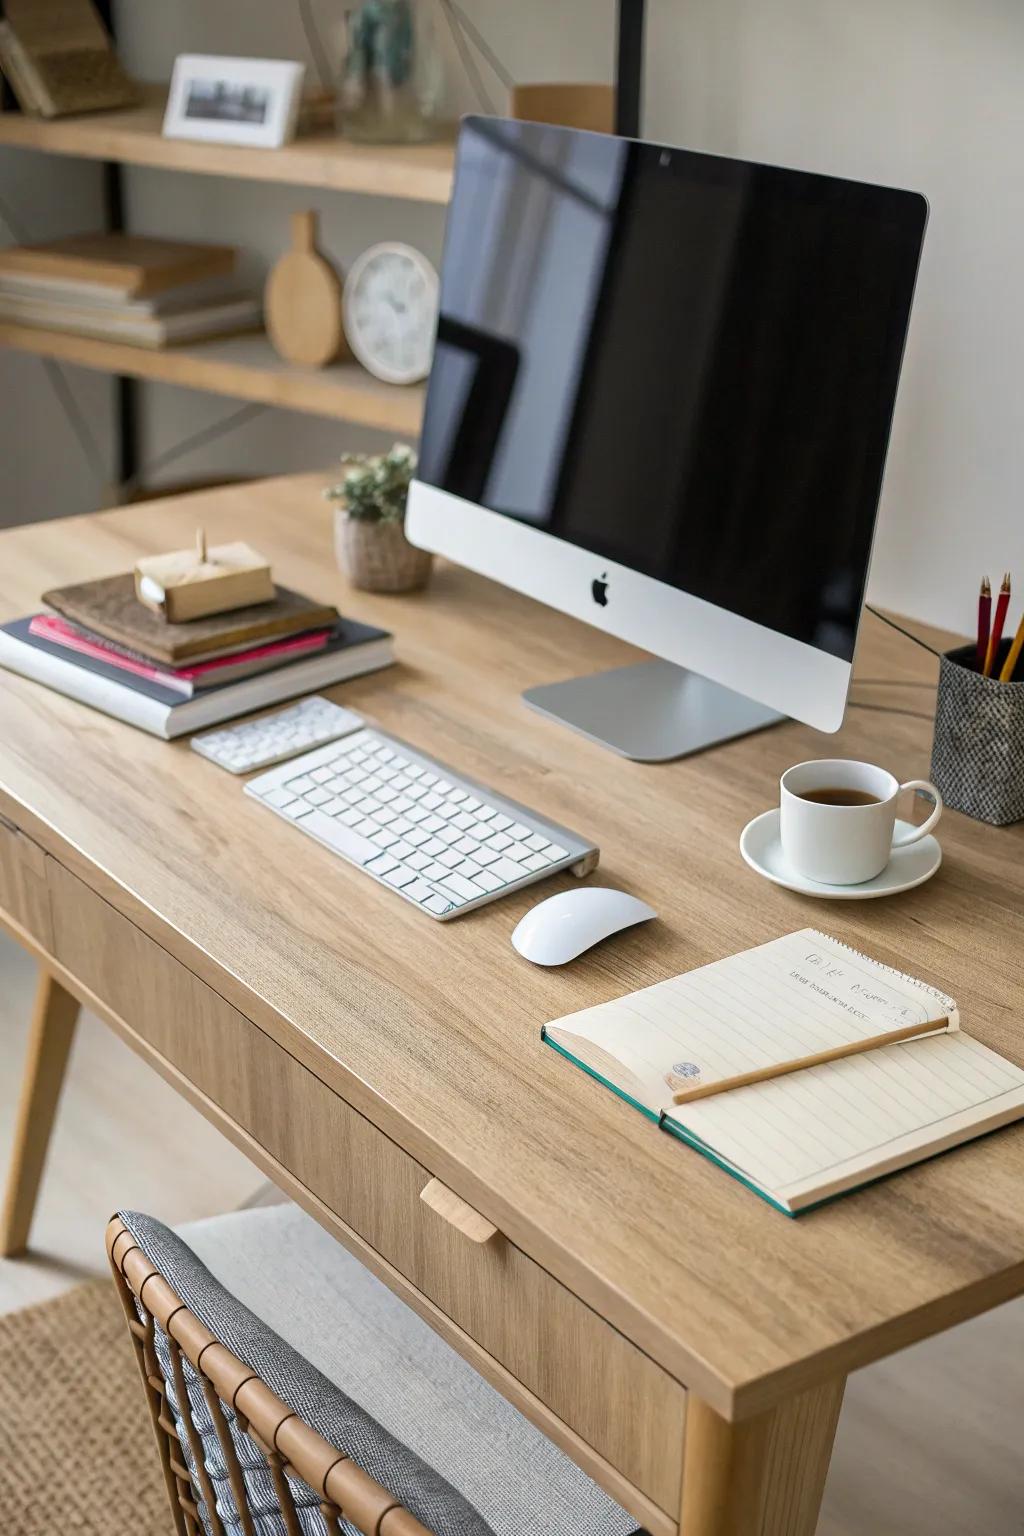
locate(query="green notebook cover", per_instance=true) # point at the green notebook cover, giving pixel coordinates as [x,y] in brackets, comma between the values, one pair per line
[670,1125]
[806,1069]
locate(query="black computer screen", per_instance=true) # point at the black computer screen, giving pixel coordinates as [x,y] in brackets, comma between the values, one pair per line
[681,363]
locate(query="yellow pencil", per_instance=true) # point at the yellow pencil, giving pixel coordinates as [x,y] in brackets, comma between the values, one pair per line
[1006,675]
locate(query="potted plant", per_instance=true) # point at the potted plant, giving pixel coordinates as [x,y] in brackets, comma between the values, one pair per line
[369,522]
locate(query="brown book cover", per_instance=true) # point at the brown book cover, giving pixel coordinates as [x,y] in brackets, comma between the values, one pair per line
[133,266]
[18,72]
[61,59]
[110,608]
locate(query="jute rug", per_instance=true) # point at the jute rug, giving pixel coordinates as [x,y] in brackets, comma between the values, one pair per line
[77,1454]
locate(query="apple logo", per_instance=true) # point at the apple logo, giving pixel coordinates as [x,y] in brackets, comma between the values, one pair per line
[599,590]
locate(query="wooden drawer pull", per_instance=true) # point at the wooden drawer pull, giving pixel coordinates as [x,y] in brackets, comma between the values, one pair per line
[457,1213]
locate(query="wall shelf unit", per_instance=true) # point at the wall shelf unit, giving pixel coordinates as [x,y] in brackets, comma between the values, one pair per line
[243,367]
[419,172]
[246,367]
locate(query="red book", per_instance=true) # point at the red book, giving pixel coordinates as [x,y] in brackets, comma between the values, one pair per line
[183,680]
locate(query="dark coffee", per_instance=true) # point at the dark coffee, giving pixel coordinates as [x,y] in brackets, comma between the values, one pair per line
[838,796]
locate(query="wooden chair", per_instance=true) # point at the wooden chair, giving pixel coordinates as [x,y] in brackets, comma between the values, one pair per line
[284,1442]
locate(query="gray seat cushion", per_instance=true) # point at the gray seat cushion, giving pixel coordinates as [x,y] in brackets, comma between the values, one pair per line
[387,1388]
[303,1388]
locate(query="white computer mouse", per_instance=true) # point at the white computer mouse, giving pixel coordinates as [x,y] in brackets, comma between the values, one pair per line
[557,930]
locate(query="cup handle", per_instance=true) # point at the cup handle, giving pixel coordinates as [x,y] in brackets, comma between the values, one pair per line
[916,833]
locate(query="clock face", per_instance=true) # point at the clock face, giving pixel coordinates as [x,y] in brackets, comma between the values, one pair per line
[390,312]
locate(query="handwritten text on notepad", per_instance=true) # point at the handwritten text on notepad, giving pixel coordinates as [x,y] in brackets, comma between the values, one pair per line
[850,985]
[797,997]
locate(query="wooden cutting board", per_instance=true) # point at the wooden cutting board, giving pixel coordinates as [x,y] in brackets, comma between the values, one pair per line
[302,302]
[110,608]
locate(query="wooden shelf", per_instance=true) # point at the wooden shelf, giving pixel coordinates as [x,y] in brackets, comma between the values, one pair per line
[243,367]
[421,172]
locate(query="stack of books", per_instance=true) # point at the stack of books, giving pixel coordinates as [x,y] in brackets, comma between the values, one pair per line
[100,645]
[117,287]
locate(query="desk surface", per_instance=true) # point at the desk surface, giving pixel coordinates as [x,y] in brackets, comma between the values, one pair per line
[433,1031]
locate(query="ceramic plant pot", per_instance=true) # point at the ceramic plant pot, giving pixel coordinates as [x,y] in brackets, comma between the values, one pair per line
[377,557]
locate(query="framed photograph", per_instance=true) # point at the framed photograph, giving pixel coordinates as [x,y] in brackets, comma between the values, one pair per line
[234,101]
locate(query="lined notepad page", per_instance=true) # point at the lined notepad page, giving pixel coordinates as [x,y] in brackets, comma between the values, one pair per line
[797,996]
[818,1130]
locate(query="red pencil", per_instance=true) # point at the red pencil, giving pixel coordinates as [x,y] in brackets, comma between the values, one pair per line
[995,638]
[984,620]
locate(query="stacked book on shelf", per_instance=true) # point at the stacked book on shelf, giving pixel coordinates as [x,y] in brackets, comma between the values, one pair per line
[129,288]
[58,59]
[99,644]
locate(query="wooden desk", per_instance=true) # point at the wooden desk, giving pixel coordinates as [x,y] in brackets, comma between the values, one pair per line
[686,1343]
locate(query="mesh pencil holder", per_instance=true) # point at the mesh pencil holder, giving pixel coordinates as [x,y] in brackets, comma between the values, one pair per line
[978,751]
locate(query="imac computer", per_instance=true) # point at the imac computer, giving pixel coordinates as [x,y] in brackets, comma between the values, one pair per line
[660,401]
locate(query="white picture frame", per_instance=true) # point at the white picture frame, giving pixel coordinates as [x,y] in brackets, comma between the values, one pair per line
[221,100]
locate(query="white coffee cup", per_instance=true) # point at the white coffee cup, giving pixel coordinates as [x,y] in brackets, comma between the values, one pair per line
[845,844]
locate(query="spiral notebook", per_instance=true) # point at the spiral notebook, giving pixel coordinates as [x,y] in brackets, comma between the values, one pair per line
[801,1067]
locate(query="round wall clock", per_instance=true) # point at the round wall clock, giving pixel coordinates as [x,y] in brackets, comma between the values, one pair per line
[390,309]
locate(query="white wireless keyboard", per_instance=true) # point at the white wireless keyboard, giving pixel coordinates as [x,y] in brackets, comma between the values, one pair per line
[258,743]
[440,840]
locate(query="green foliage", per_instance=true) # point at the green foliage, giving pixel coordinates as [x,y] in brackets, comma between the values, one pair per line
[374,486]
[381,42]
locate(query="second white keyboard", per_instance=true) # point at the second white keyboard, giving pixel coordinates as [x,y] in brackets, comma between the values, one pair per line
[440,840]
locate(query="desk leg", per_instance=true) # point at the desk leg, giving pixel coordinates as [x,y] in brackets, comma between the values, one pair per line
[763,1476]
[53,1027]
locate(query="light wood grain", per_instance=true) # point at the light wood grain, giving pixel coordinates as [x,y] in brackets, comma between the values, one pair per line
[197,583]
[23,892]
[52,1030]
[653,1518]
[764,1476]
[302,300]
[432,1031]
[122,1125]
[591,1378]
[421,172]
[445,1203]
[118,1129]
[803,1430]
[244,367]
[570,105]
[131,266]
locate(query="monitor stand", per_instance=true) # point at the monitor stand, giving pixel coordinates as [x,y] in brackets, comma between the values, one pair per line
[652,711]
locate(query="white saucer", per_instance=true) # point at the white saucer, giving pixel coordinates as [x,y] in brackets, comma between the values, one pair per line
[761,847]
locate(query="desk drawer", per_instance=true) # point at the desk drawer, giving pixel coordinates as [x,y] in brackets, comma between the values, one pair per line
[591,1378]
[23,891]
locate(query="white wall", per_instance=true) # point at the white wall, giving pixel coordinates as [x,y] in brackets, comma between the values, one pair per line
[927,94]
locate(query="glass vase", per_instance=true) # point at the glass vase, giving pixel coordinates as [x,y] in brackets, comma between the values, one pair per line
[392,77]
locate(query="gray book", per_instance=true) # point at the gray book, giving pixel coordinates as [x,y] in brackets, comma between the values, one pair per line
[354,650]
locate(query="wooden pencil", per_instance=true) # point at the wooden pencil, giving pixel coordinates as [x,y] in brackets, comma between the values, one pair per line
[995,638]
[782,1068]
[1010,664]
[984,621]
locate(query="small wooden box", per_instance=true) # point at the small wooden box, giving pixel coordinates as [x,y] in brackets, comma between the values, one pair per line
[566,105]
[192,583]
